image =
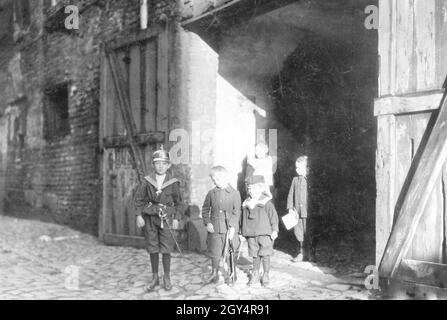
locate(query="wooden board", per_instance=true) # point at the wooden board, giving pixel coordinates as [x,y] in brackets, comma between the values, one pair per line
[423,101]
[150,111]
[428,238]
[126,241]
[427,173]
[385,173]
[410,46]
[441,40]
[135,85]
[385,12]
[433,274]
[163,82]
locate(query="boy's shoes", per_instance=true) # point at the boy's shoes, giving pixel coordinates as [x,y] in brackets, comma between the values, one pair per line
[254,278]
[167,282]
[298,258]
[265,280]
[214,278]
[154,283]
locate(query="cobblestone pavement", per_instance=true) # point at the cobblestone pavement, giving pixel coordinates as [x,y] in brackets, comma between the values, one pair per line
[36,267]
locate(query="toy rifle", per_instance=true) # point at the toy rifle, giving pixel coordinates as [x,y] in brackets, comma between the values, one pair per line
[229,251]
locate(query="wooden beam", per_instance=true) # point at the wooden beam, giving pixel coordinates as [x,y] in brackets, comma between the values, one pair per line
[424,101]
[427,172]
[432,274]
[141,139]
[121,87]
[124,241]
[404,290]
[236,9]
[127,39]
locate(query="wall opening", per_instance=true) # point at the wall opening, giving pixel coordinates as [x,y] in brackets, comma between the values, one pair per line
[56,122]
[313,68]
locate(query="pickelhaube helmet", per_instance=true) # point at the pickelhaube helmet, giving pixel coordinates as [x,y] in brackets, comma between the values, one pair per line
[161,155]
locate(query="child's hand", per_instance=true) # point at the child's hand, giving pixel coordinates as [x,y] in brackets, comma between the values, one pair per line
[274,235]
[175,224]
[291,211]
[140,222]
[210,228]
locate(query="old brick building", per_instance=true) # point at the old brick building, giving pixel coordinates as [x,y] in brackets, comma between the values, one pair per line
[50,104]
[207,67]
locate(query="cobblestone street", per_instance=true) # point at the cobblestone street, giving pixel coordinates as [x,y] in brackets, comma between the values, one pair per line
[37,261]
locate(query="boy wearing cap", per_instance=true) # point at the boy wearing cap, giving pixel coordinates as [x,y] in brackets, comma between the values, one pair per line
[259,225]
[158,200]
[220,212]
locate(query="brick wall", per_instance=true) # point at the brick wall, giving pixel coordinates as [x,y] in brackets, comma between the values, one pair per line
[61,176]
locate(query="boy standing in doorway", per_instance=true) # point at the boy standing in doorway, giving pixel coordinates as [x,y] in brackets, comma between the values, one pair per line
[297,203]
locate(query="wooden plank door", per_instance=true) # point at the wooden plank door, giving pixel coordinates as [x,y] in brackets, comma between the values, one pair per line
[134,115]
[416,240]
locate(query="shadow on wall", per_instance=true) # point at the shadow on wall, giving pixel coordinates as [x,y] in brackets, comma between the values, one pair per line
[326,105]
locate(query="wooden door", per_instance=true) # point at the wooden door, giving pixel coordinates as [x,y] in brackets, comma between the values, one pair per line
[415,250]
[134,119]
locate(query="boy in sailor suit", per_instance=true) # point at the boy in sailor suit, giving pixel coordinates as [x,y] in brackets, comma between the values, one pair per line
[158,202]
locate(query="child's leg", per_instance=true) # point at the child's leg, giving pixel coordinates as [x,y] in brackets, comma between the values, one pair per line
[265,251]
[266,266]
[167,271]
[253,251]
[298,230]
[167,263]
[215,246]
[151,236]
[154,263]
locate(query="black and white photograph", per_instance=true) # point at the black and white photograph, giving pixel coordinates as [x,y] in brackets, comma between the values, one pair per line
[244,152]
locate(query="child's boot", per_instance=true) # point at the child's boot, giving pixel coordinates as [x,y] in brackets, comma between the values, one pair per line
[155,279]
[265,276]
[255,275]
[167,272]
[214,277]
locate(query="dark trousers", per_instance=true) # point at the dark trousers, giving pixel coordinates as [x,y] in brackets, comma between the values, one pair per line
[158,240]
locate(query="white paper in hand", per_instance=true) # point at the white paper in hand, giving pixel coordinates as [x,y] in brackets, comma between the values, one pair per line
[290,220]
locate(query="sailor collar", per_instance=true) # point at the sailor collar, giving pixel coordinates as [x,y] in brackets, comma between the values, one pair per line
[259,203]
[168,181]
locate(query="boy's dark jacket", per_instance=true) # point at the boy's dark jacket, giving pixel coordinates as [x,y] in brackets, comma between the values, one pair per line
[297,198]
[217,202]
[261,220]
[148,201]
